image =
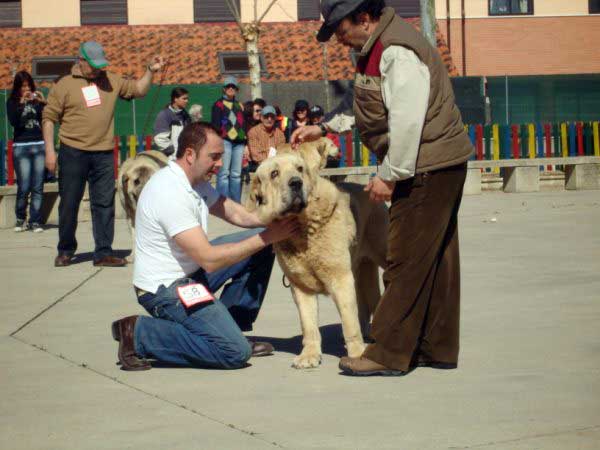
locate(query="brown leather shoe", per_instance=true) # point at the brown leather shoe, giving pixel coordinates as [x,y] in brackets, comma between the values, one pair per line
[110,261]
[62,260]
[122,331]
[364,367]
[261,348]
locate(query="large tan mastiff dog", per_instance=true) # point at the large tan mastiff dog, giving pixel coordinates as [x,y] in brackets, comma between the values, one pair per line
[339,250]
[134,173]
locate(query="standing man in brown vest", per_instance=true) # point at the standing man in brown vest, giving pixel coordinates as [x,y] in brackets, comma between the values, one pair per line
[406,114]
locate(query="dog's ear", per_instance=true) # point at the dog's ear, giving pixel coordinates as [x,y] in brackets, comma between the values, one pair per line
[312,159]
[255,196]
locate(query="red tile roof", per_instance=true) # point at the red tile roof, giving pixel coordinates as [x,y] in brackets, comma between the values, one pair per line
[290,49]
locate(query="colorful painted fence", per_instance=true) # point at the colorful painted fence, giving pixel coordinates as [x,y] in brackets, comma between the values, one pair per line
[491,142]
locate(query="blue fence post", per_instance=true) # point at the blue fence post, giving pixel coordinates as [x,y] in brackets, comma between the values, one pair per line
[2,163]
[572,140]
[472,138]
[507,140]
[539,131]
[343,150]
[140,144]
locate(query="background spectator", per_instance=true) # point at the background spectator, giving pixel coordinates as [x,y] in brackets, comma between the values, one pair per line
[264,138]
[24,108]
[196,114]
[171,120]
[228,118]
[299,118]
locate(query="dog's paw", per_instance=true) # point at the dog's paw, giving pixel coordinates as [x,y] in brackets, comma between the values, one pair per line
[355,349]
[307,360]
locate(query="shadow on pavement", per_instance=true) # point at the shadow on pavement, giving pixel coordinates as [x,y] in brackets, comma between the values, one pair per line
[331,337]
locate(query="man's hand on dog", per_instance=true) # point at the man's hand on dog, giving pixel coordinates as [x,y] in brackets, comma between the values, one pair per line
[380,190]
[156,64]
[305,134]
[280,230]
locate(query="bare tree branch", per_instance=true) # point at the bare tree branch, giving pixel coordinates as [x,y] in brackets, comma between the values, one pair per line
[255,9]
[236,14]
[266,11]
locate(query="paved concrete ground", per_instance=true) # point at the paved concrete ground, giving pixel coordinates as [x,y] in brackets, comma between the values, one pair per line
[529,375]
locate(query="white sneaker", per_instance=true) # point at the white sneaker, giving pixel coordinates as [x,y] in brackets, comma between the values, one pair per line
[36,228]
[20,226]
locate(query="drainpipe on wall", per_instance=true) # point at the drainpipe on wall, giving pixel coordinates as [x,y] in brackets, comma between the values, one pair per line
[464,45]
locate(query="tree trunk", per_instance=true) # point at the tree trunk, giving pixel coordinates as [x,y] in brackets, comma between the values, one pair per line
[251,33]
[428,21]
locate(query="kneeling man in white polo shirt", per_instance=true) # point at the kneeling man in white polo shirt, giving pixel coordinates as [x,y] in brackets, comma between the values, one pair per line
[177,270]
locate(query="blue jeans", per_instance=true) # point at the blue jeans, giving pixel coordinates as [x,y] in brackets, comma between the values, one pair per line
[229,178]
[29,160]
[207,335]
[75,167]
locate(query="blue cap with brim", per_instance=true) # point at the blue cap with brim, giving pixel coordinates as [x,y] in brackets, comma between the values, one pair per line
[333,12]
[268,110]
[93,53]
[230,81]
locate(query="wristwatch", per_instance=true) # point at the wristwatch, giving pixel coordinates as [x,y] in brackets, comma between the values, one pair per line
[323,129]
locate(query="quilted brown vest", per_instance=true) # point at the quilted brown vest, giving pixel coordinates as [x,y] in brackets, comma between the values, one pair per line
[444,142]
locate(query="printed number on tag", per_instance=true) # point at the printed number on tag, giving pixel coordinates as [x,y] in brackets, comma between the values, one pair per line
[91,95]
[193,294]
[272,152]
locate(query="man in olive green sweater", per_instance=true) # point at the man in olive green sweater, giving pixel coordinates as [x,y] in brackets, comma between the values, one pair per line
[83,103]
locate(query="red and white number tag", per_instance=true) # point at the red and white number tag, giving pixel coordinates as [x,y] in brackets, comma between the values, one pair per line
[91,95]
[193,294]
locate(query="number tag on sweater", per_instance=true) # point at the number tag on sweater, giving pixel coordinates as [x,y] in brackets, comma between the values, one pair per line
[193,294]
[91,95]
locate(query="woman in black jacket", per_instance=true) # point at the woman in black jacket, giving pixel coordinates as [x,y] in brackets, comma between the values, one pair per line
[24,108]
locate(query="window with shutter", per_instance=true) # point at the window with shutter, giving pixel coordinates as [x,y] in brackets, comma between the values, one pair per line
[213,11]
[103,12]
[309,10]
[405,8]
[51,67]
[236,63]
[10,14]
[510,7]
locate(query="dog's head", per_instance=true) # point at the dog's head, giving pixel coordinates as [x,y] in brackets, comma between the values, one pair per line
[282,186]
[135,179]
[315,152]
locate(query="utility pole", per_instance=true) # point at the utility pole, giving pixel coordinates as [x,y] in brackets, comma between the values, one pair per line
[428,21]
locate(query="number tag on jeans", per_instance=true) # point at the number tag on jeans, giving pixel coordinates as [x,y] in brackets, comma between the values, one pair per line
[91,95]
[193,294]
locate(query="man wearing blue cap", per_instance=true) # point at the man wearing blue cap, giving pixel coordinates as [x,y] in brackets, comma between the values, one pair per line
[406,114]
[264,138]
[83,103]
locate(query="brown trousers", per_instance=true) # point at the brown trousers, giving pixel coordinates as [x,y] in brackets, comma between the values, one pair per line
[418,315]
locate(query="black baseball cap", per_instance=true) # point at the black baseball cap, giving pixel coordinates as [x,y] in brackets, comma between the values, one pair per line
[333,12]
[315,111]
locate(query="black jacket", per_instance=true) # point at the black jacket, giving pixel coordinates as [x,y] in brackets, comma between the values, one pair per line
[26,119]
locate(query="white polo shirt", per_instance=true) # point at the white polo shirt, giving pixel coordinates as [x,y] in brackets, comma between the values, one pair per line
[167,206]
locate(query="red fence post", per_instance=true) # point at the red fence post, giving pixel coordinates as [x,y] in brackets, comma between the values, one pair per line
[579,127]
[348,149]
[548,136]
[116,156]
[10,167]
[515,141]
[148,142]
[479,141]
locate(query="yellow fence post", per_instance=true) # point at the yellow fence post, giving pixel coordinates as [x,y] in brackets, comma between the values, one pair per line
[532,152]
[564,140]
[364,153]
[596,139]
[132,146]
[495,145]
